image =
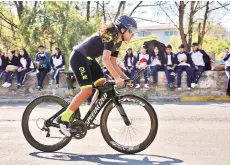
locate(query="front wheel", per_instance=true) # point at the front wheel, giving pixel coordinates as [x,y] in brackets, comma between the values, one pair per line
[138,135]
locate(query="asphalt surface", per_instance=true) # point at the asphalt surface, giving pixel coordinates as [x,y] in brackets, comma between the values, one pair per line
[188,134]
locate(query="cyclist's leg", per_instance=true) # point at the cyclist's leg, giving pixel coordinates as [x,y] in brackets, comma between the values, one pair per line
[97,76]
[82,72]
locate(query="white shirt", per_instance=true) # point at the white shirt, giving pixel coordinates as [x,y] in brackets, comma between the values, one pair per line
[169,59]
[24,62]
[197,58]
[0,61]
[58,61]
[182,58]
[146,56]
[155,61]
[129,60]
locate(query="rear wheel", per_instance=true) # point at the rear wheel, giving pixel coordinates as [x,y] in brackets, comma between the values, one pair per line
[34,116]
[132,138]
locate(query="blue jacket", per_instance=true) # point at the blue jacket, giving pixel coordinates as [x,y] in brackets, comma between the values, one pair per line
[134,60]
[14,61]
[173,59]
[206,59]
[45,60]
[227,55]
[28,62]
[3,59]
[57,57]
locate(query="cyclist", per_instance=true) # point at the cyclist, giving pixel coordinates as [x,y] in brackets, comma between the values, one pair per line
[86,69]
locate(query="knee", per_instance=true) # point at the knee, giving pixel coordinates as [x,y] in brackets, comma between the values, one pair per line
[86,92]
[100,83]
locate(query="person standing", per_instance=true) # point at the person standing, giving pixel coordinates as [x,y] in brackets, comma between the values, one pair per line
[57,62]
[227,71]
[43,65]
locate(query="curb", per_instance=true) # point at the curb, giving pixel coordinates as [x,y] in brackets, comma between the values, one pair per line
[204,98]
[152,99]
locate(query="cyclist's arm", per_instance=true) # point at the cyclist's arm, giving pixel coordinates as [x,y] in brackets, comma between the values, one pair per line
[108,64]
[117,68]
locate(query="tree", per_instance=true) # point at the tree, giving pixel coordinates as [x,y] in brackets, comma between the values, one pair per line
[120,9]
[88,10]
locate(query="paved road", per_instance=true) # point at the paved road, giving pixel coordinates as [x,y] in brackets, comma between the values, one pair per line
[189,134]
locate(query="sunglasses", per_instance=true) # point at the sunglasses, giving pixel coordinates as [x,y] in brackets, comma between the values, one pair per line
[131,30]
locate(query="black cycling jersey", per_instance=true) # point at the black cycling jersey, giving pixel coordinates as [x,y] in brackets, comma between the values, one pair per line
[95,44]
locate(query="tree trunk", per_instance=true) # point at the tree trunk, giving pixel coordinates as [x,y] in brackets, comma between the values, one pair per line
[20,7]
[202,34]
[135,8]
[104,14]
[190,24]
[122,3]
[88,10]
[181,24]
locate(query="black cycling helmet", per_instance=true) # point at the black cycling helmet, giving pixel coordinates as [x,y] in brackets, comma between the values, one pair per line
[126,22]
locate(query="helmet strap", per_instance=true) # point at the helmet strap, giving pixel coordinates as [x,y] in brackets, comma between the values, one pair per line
[123,34]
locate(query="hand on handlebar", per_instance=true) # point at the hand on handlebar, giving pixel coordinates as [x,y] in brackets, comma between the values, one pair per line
[119,82]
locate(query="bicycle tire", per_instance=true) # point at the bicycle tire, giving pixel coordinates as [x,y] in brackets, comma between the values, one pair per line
[25,126]
[129,150]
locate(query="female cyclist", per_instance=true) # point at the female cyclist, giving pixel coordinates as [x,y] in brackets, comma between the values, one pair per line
[86,69]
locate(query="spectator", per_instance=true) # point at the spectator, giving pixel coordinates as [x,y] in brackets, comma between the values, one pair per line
[26,65]
[57,62]
[170,65]
[2,64]
[155,61]
[199,58]
[183,61]
[43,65]
[142,61]
[227,71]
[12,63]
[129,63]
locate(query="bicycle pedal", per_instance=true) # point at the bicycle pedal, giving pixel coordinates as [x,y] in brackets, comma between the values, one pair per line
[94,126]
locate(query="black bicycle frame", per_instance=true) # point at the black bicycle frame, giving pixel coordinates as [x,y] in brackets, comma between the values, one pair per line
[105,94]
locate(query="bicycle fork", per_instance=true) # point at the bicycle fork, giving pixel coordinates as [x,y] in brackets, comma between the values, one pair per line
[121,111]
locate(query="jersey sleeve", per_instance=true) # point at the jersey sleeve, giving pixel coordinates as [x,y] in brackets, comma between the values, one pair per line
[108,45]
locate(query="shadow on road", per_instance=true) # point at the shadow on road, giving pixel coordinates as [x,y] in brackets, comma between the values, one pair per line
[110,159]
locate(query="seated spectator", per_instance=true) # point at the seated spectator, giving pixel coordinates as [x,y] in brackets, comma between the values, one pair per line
[26,66]
[2,64]
[57,62]
[129,63]
[142,61]
[156,63]
[169,66]
[43,65]
[227,71]
[183,61]
[12,63]
[199,58]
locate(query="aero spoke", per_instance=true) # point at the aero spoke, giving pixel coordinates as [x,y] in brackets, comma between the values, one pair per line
[130,134]
[137,130]
[135,133]
[122,132]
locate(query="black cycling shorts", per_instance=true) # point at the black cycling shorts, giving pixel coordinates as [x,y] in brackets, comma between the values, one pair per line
[86,70]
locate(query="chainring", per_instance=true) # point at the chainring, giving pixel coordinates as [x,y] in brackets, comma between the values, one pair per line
[78,129]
